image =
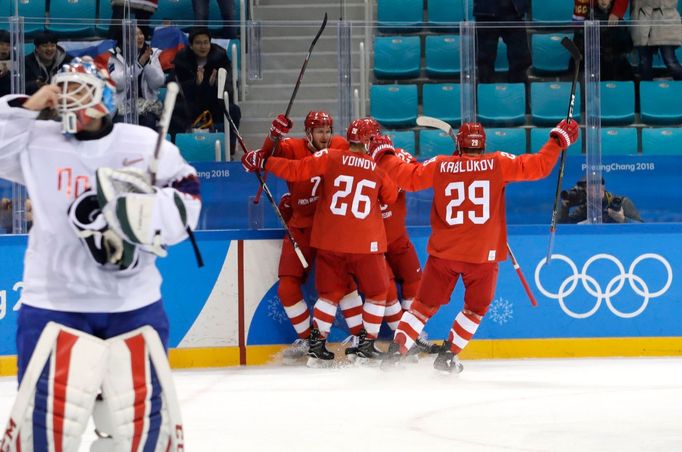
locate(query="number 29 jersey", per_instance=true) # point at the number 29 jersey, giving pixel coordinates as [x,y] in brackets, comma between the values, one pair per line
[348,214]
[468,219]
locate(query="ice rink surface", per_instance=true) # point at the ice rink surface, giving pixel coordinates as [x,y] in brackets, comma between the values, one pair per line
[616,404]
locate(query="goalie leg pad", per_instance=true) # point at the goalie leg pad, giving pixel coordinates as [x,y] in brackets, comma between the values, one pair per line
[140,405]
[57,391]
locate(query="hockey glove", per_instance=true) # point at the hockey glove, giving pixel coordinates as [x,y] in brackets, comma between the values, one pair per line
[379,146]
[565,133]
[280,127]
[285,207]
[128,202]
[253,161]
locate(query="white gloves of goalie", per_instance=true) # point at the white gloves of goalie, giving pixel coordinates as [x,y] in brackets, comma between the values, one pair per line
[128,202]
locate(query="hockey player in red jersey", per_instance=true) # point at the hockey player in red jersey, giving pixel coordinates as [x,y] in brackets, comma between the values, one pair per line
[298,207]
[347,232]
[469,232]
[403,264]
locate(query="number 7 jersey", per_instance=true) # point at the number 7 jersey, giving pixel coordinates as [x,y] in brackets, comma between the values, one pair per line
[348,214]
[468,218]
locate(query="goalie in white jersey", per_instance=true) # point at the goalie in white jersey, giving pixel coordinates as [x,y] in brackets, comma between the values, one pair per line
[92,319]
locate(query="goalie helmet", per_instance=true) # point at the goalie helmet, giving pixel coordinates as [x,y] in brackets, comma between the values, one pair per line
[362,130]
[471,136]
[87,92]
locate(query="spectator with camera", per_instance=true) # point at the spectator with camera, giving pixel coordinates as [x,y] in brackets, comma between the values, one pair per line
[5,64]
[615,208]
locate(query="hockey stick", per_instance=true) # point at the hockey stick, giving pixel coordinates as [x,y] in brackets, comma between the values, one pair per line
[293,96]
[577,57]
[162,128]
[427,121]
[265,188]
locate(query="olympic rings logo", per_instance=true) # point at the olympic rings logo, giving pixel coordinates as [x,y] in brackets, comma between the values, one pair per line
[613,287]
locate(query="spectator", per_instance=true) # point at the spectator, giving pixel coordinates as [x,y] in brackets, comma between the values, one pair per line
[196,70]
[656,27]
[226,12]
[141,9]
[584,9]
[615,208]
[5,64]
[516,38]
[150,78]
[5,216]
[615,40]
[44,62]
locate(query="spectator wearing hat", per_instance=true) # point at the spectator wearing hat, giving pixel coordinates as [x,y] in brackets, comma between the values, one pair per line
[5,64]
[44,62]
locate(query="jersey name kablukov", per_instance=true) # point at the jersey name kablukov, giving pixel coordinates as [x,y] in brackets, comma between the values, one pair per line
[465,166]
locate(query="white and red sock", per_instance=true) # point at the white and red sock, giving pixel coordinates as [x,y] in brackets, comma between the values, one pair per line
[392,314]
[300,318]
[463,329]
[324,315]
[351,308]
[372,316]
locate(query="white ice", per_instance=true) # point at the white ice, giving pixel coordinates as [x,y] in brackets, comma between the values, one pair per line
[616,404]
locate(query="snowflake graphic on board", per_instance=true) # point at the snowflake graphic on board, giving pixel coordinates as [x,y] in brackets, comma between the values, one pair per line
[276,310]
[501,311]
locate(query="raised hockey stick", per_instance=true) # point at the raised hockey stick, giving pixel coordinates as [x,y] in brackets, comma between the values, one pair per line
[265,188]
[428,121]
[577,57]
[162,128]
[293,96]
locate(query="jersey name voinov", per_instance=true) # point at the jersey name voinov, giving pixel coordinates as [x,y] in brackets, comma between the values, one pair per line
[351,160]
[465,166]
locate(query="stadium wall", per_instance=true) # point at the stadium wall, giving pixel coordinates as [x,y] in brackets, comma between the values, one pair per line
[610,290]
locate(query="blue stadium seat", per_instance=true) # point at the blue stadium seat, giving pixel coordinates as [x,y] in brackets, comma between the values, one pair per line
[198,147]
[434,142]
[104,18]
[73,17]
[549,102]
[666,141]
[548,55]
[617,102]
[445,15]
[501,60]
[402,139]
[442,55]
[442,101]
[394,105]
[397,56]
[502,104]
[400,16]
[176,10]
[618,141]
[539,136]
[660,102]
[33,11]
[553,11]
[512,140]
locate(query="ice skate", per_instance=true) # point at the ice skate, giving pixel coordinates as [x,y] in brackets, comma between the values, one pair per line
[295,352]
[392,359]
[424,345]
[352,349]
[318,355]
[447,361]
[367,349]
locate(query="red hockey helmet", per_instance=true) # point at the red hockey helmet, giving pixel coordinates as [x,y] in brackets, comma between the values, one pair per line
[361,130]
[317,119]
[471,136]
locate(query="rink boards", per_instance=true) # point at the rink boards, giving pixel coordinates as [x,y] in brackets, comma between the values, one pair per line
[611,290]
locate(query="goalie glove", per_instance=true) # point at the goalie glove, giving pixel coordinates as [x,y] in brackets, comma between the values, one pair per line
[105,246]
[129,205]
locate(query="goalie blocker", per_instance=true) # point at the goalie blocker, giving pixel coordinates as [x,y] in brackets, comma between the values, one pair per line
[67,371]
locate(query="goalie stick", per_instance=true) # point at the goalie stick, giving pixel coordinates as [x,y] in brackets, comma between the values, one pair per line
[162,128]
[577,57]
[291,101]
[428,121]
[265,188]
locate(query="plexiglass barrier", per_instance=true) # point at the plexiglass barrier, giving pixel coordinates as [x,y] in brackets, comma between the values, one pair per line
[389,59]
